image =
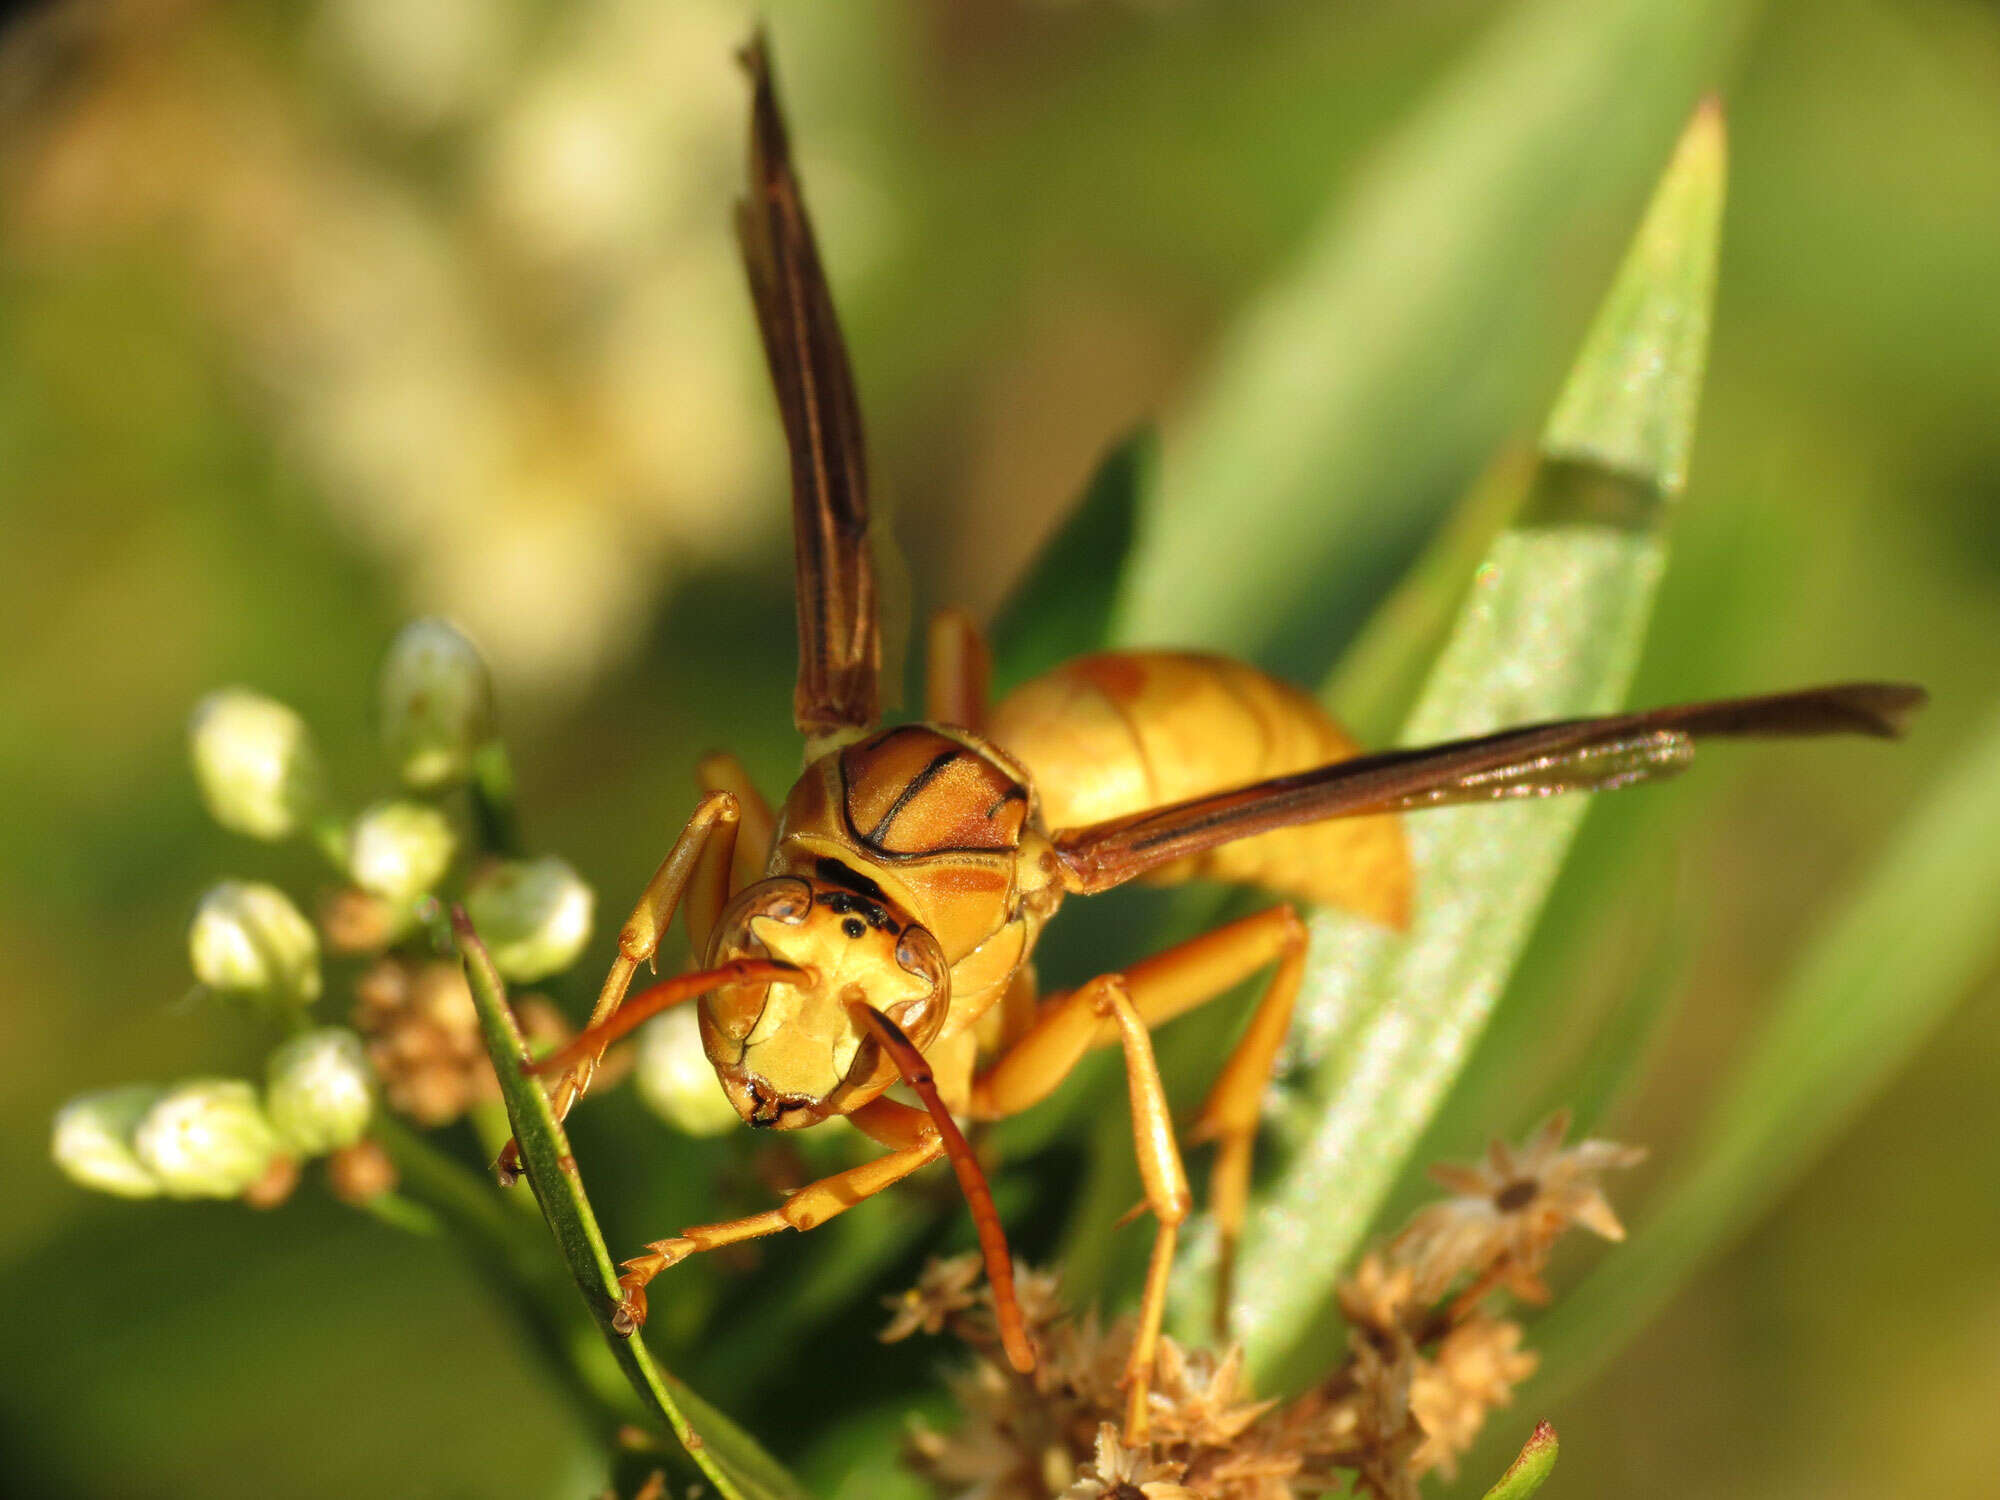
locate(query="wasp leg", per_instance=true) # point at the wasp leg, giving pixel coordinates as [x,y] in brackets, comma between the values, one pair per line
[1230,1113]
[957,672]
[915,1142]
[757,825]
[1160,1170]
[713,826]
[1161,987]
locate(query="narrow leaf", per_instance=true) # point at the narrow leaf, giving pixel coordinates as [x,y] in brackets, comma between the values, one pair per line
[1390,357]
[1553,628]
[738,1467]
[1525,1474]
[1063,606]
[1882,974]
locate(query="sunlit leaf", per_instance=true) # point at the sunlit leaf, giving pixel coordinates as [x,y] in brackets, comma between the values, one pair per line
[738,1467]
[1881,975]
[1341,404]
[1553,628]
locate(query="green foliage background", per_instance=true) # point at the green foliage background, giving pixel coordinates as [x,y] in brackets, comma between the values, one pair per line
[1045,223]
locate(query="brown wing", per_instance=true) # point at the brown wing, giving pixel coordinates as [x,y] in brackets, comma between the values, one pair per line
[839,639]
[1539,760]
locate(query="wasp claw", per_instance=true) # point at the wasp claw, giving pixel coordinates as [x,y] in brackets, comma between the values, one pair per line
[630,1314]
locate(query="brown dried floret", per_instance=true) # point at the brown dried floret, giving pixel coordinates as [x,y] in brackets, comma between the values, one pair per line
[1121,1473]
[1380,1295]
[360,1173]
[1507,1212]
[1198,1398]
[944,1287]
[1476,1367]
[423,1037]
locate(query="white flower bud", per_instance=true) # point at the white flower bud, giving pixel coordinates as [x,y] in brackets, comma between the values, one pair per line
[532,914]
[319,1091]
[437,703]
[256,763]
[400,850]
[675,1078]
[206,1138]
[248,939]
[92,1140]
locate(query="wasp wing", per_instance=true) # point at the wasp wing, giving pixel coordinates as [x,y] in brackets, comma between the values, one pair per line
[1538,760]
[839,637]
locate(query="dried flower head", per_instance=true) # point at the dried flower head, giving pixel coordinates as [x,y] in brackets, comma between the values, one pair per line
[1507,1211]
[1200,1397]
[424,1043]
[1424,1367]
[1379,1296]
[944,1288]
[1476,1367]
[1121,1473]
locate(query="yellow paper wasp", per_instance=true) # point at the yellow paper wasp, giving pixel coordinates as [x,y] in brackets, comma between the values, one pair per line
[878,928]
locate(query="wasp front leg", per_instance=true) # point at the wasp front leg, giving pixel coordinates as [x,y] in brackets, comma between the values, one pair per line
[915,1142]
[708,844]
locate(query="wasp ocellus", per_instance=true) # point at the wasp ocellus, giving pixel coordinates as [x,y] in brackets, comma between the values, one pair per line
[879,927]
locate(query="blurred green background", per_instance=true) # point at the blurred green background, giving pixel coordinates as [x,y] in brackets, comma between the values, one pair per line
[315,317]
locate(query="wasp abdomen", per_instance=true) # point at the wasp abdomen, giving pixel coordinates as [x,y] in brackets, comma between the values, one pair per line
[1121,732]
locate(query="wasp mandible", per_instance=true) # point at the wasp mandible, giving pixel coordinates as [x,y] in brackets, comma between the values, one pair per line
[879,927]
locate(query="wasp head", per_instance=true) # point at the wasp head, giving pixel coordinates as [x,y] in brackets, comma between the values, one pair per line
[792,1053]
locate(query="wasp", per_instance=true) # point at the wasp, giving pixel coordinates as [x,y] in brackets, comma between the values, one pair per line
[879,927]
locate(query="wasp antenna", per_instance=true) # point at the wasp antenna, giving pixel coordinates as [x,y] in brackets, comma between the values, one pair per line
[971,1179]
[664,996]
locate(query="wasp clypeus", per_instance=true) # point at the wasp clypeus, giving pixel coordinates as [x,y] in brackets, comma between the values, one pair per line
[879,927]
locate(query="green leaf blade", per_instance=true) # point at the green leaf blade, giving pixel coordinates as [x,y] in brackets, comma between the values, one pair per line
[1552,628]
[1342,403]
[733,1461]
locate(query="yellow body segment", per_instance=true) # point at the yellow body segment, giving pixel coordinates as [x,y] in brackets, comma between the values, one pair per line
[1121,732]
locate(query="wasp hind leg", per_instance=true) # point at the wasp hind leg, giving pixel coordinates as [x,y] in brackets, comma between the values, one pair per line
[958,672]
[915,1142]
[1119,1009]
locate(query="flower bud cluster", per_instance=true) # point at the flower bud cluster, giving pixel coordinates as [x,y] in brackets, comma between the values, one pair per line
[250,941]
[215,1137]
[418,1050]
[437,704]
[256,764]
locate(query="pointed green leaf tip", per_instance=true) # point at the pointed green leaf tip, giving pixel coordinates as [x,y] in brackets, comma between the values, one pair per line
[1525,1474]
[1629,405]
[1551,628]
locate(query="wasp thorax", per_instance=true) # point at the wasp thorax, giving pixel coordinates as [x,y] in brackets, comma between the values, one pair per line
[792,1054]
